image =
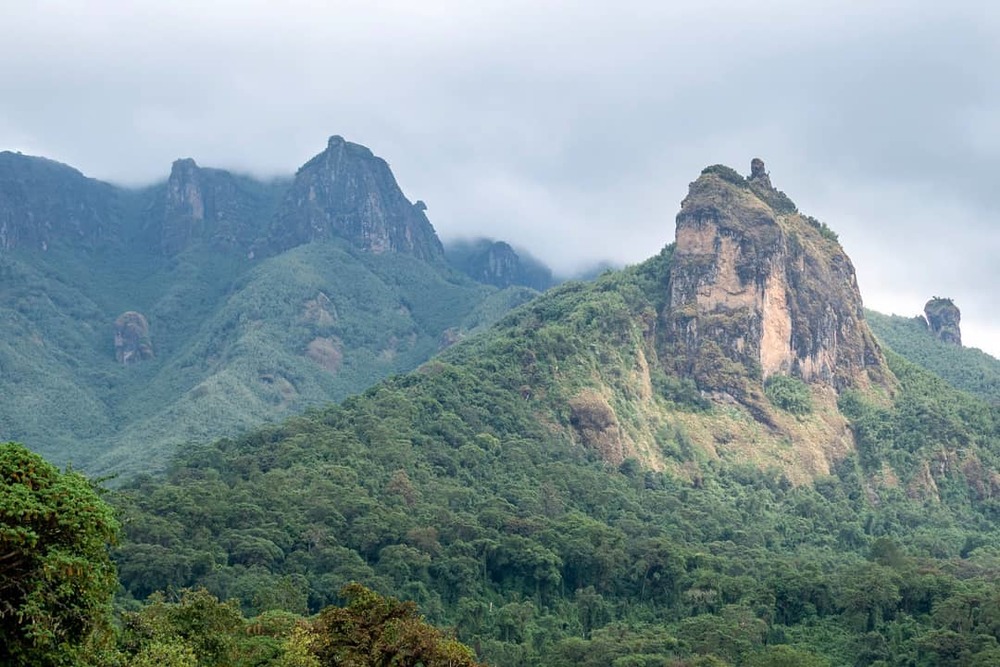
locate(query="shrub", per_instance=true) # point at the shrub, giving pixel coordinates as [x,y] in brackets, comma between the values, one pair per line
[822,228]
[727,174]
[788,393]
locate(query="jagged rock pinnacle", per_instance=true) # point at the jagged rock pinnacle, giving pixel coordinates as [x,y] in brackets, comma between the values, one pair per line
[758,173]
[943,316]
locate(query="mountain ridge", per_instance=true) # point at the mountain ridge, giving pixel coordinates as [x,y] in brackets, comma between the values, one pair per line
[235,323]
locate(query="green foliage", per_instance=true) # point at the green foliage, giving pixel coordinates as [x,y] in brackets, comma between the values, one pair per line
[197,625]
[682,392]
[777,200]
[964,368]
[236,342]
[375,630]
[789,393]
[56,579]
[460,488]
[823,229]
[727,174]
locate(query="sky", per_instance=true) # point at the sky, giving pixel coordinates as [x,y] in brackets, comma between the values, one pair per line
[569,128]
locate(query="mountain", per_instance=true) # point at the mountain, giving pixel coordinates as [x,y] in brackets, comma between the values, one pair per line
[136,322]
[757,290]
[43,202]
[211,206]
[497,263]
[703,459]
[346,192]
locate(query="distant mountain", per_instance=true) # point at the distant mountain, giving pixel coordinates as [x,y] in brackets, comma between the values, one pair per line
[134,322]
[346,192]
[703,459]
[213,207]
[497,263]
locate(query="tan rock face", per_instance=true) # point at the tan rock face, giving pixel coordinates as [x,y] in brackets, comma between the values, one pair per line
[327,353]
[756,289]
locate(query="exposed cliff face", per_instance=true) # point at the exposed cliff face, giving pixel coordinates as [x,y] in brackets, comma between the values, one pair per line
[944,317]
[758,289]
[346,192]
[228,211]
[43,202]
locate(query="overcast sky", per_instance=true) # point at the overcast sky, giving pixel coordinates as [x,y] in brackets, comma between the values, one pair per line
[571,128]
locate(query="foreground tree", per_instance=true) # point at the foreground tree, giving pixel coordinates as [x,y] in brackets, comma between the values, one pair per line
[56,577]
[377,631]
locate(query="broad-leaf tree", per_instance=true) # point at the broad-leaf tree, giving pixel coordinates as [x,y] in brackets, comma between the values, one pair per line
[56,578]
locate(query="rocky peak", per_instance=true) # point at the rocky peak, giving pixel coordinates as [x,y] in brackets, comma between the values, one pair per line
[757,289]
[500,265]
[758,174]
[44,202]
[943,316]
[348,193]
[211,205]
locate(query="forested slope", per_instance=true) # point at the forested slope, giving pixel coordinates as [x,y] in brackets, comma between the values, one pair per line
[969,369]
[478,487]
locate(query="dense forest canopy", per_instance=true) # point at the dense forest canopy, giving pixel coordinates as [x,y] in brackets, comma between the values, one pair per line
[459,488]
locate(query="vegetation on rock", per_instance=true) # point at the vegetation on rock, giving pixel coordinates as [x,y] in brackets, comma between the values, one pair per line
[789,393]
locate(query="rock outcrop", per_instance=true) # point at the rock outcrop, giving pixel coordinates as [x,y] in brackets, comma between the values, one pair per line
[228,211]
[132,342]
[44,202]
[758,289]
[346,192]
[944,317]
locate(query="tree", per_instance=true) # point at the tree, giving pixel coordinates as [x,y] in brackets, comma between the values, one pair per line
[56,577]
[197,625]
[377,631]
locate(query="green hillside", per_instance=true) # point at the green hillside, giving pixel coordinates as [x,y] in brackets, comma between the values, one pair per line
[138,321]
[486,487]
[237,343]
[968,369]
